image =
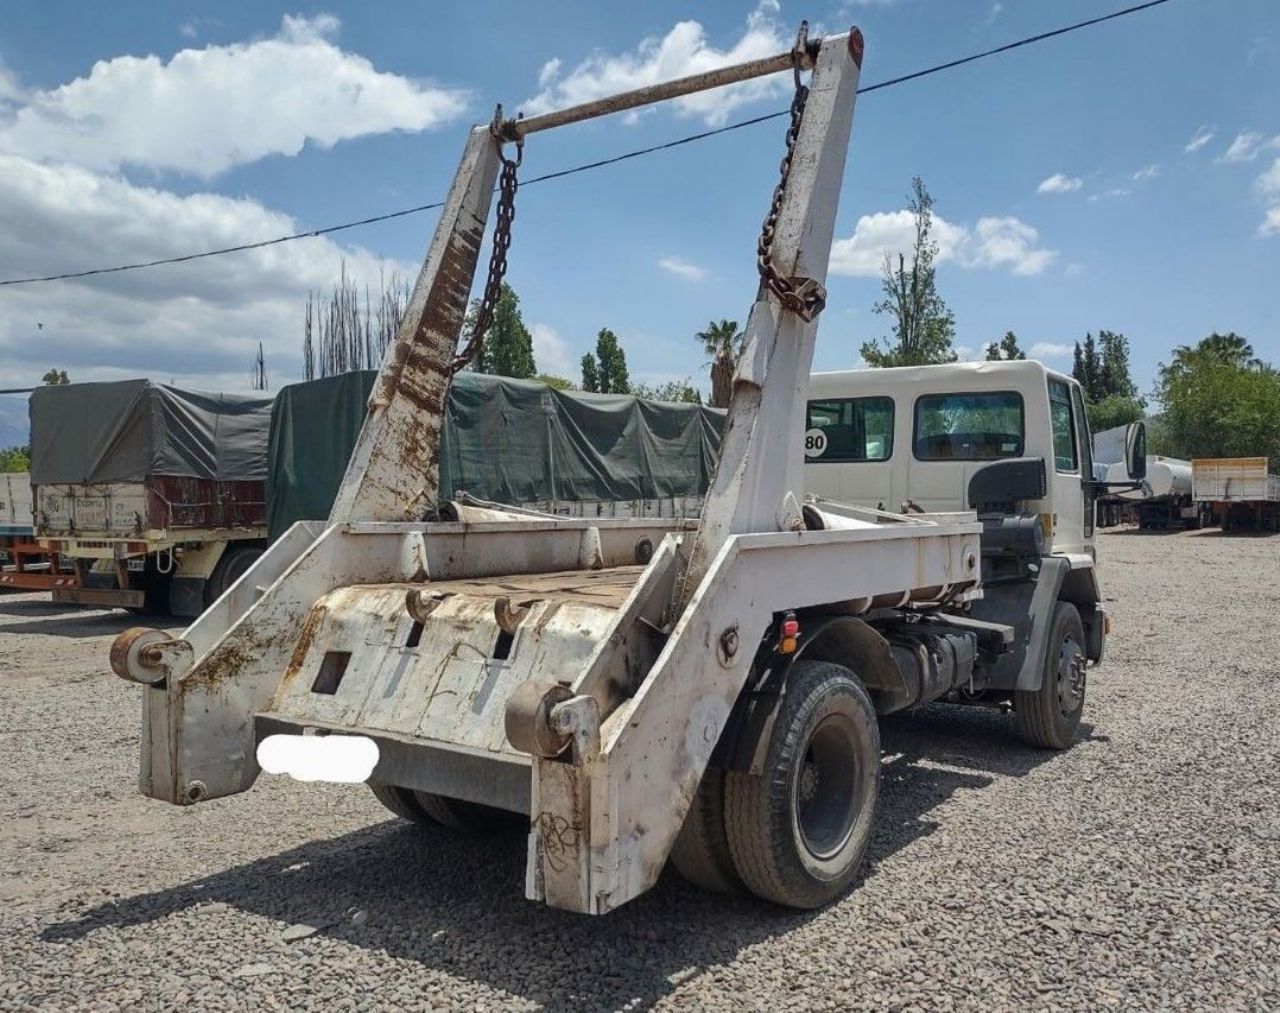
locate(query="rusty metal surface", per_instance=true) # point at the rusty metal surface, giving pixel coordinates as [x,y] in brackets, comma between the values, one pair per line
[717,78]
[393,474]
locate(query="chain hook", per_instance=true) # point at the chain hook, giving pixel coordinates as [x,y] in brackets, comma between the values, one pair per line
[803,296]
[503,132]
[799,51]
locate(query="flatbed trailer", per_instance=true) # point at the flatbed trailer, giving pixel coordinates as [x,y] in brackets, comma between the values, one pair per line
[637,690]
[25,564]
[1237,492]
[156,495]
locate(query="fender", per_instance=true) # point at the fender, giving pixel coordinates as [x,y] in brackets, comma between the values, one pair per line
[842,640]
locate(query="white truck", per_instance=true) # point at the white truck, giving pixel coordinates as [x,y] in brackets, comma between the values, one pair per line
[651,690]
[1237,492]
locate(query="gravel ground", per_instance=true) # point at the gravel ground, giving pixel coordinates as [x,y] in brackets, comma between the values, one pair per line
[1138,869]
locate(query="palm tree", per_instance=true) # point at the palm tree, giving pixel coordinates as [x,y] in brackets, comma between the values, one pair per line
[723,343]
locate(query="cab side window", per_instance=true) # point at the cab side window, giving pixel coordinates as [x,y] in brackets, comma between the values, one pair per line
[849,429]
[1065,456]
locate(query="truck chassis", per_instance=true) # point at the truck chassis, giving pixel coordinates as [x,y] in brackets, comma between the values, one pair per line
[622,683]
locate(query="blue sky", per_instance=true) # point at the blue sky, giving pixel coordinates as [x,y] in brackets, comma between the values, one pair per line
[1127,177]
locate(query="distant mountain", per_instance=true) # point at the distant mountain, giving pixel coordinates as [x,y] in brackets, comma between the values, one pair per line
[15,430]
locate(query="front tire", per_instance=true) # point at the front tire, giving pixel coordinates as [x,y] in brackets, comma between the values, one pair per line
[1050,716]
[799,832]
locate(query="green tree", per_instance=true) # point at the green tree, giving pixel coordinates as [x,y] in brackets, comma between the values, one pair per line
[55,378]
[1087,368]
[1005,348]
[1102,369]
[923,327]
[1114,377]
[611,362]
[1115,410]
[15,459]
[508,346]
[1219,400]
[672,390]
[556,382]
[1228,349]
[722,341]
[590,374]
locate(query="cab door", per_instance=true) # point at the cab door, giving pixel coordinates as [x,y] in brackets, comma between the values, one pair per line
[1068,489]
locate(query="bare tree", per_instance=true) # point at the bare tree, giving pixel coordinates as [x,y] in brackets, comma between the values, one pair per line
[342,333]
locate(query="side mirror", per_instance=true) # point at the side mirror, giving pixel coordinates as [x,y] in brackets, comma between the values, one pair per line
[1135,451]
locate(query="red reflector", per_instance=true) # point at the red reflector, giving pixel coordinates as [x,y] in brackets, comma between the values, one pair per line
[790,627]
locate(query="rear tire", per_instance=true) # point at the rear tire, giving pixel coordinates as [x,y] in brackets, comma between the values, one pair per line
[231,567]
[468,817]
[1049,716]
[402,802]
[701,852]
[799,832]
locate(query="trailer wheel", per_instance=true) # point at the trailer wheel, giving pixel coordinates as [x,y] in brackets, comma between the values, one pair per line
[1048,717]
[701,852]
[231,567]
[799,831]
[402,802]
[469,817]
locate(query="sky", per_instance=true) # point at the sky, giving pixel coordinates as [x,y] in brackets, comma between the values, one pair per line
[1126,177]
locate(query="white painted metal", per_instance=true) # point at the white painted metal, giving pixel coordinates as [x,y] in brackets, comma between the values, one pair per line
[759,478]
[494,603]
[1166,477]
[1234,480]
[393,474]
[15,502]
[934,485]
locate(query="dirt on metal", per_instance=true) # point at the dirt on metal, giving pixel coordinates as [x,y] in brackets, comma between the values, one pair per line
[1136,870]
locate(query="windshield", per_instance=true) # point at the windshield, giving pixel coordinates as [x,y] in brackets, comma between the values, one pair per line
[968,427]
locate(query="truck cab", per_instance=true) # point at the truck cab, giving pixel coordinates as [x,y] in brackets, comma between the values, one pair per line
[916,435]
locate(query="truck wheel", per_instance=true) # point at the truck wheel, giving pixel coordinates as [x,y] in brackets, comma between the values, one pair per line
[470,817]
[701,852]
[799,831]
[231,567]
[402,802]
[1048,717]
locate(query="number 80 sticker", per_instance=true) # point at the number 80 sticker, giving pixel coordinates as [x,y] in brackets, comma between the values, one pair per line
[815,443]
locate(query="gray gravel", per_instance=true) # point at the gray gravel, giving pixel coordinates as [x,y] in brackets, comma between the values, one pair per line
[1139,869]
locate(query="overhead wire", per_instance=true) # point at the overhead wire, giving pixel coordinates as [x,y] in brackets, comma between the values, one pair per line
[601,163]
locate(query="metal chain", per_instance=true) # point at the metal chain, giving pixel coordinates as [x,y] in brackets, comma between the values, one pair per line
[804,296]
[506,213]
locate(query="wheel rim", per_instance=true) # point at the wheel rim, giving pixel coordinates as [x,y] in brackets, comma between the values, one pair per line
[826,796]
[1070,676]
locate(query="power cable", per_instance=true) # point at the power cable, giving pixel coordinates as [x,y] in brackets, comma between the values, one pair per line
[625,156]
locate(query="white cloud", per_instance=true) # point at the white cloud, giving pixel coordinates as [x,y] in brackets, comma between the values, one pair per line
[1113,193]
[1268,185]
[683,268]
[889,232]
[10,90]
[1149,172]
[1050,350]
[1058,183]
[209,109]
[1271,223]
[197,323]
[1244,148]
[684,50]
[994,242]
[550,351]
[192,27]
[1009,242]
[996,10]
[1202,137]
[967,353]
